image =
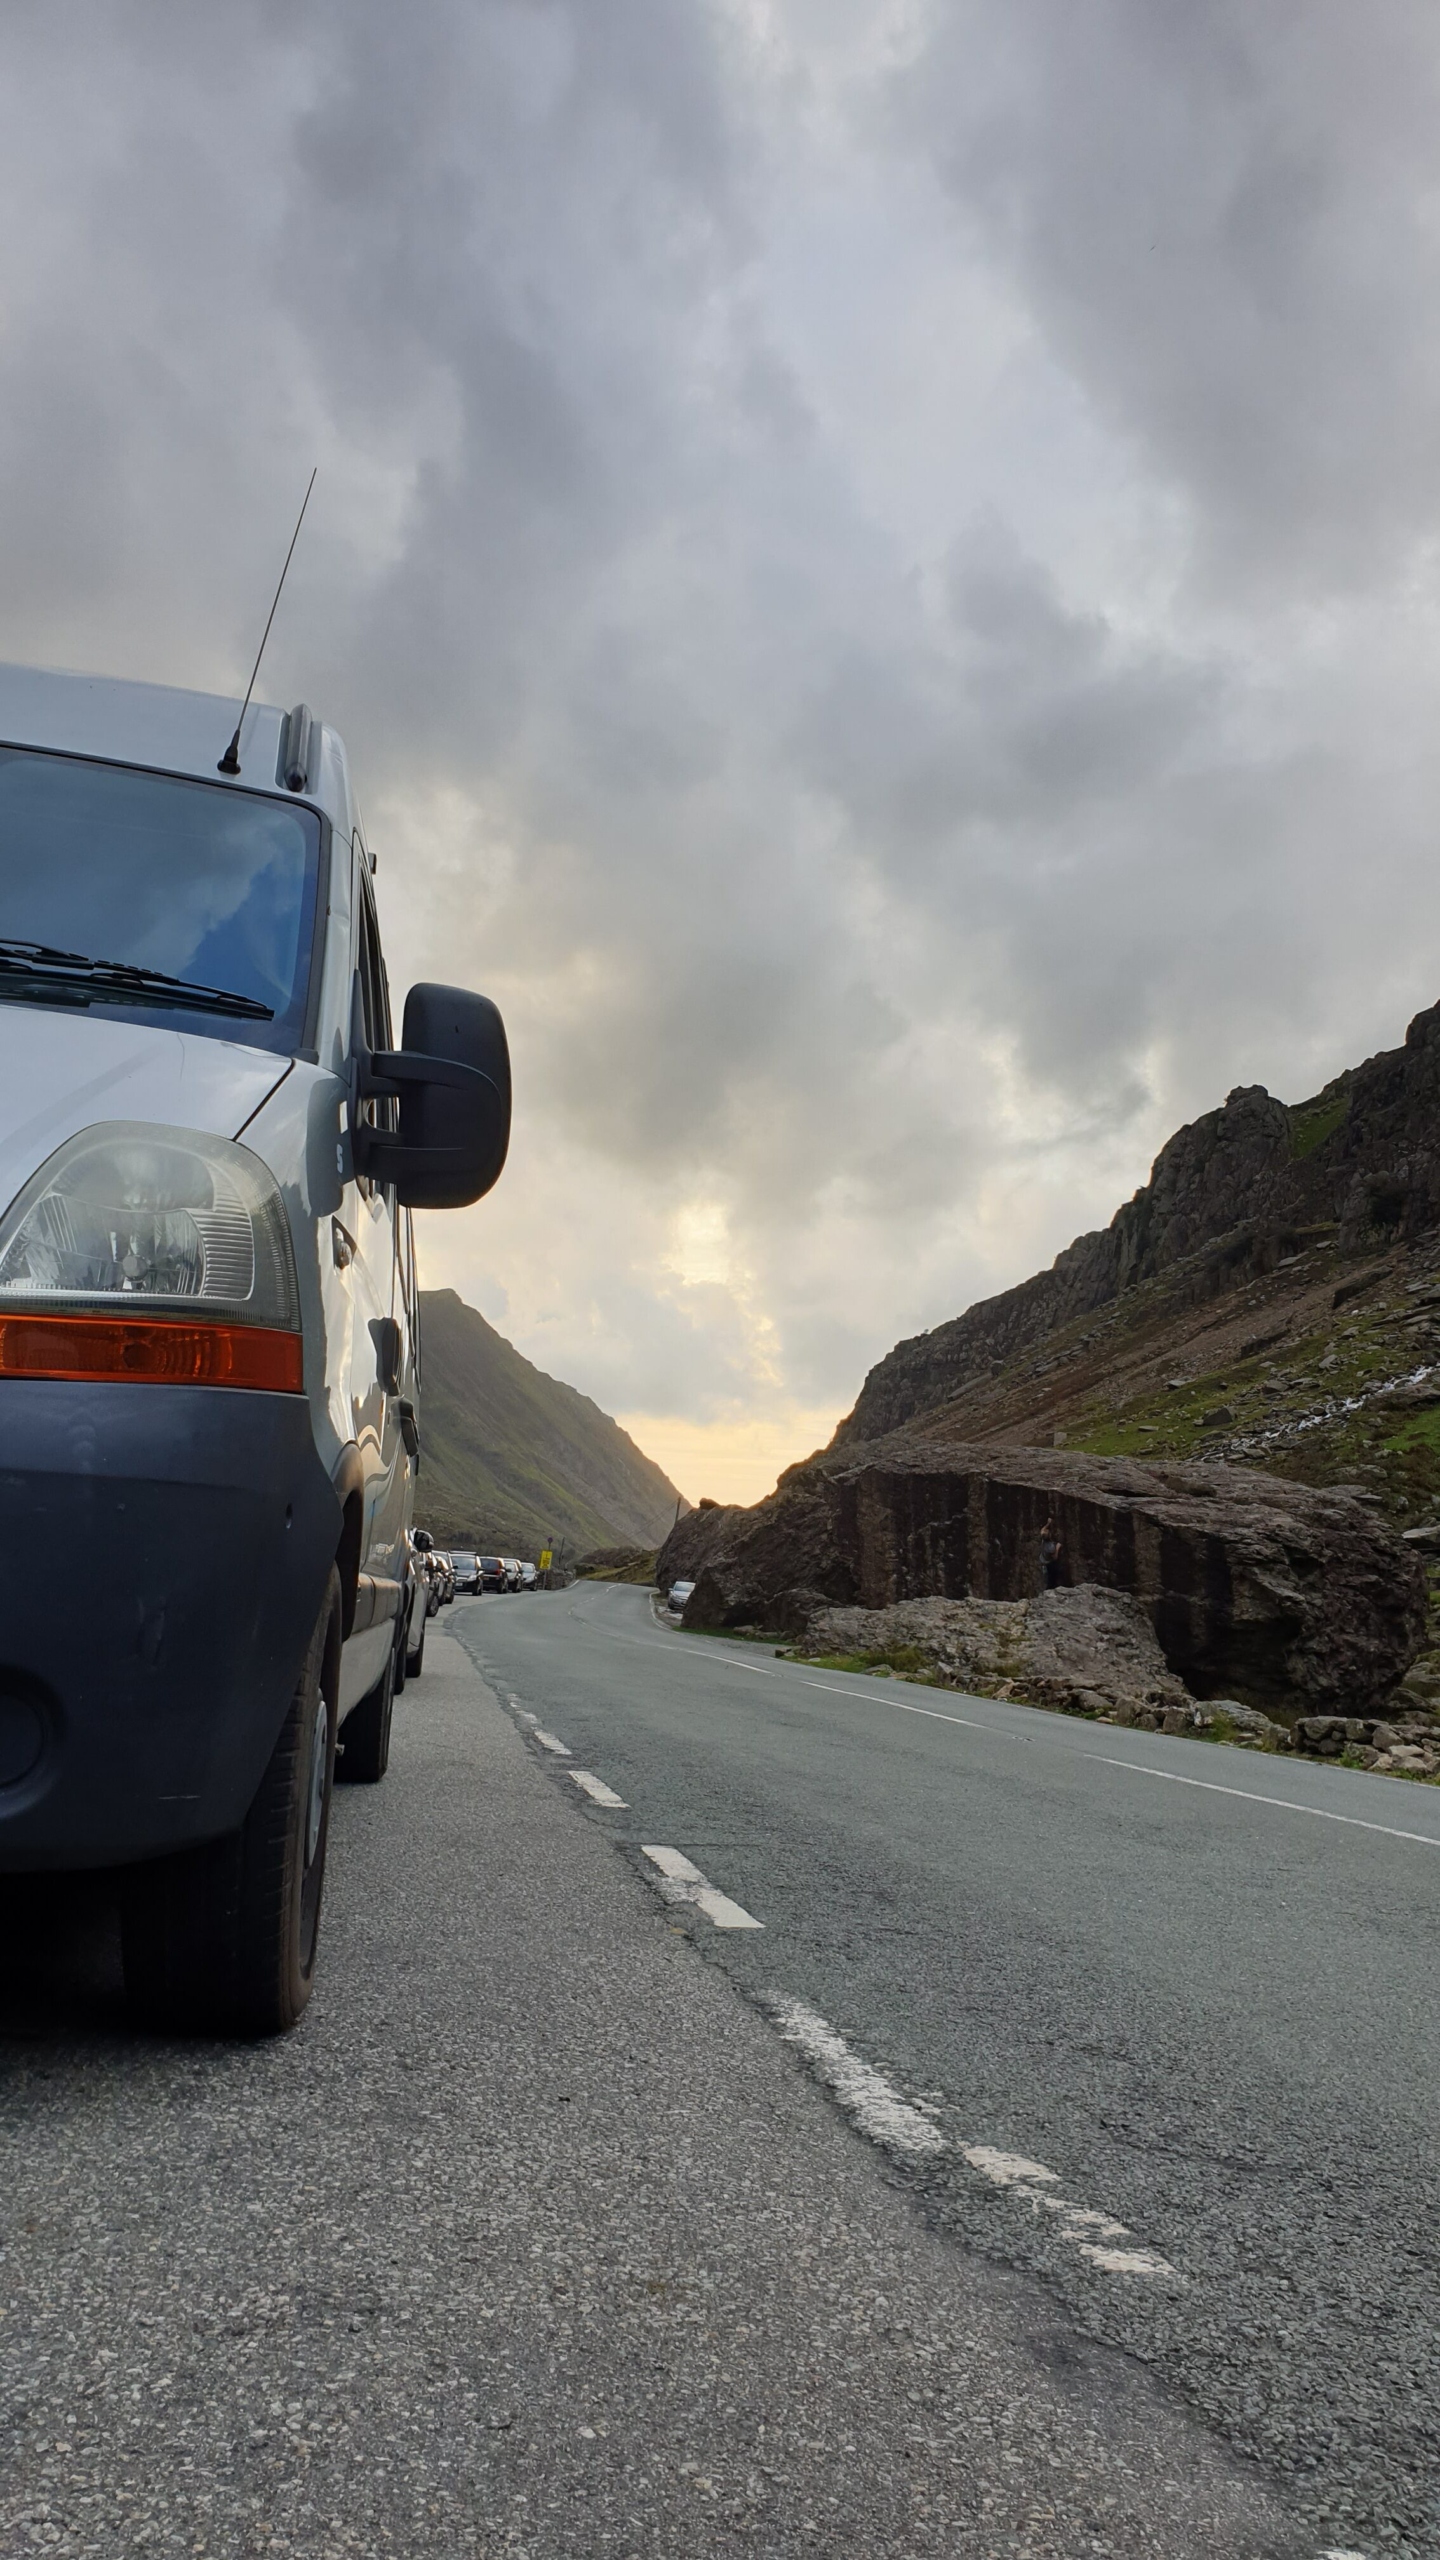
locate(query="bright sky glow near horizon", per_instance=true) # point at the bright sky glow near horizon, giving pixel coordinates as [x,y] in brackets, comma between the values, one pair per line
[877,560]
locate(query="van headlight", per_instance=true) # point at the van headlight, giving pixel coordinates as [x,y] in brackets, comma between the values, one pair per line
[149,1252]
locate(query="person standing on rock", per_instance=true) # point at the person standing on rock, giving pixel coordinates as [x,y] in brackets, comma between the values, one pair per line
[1051,1551]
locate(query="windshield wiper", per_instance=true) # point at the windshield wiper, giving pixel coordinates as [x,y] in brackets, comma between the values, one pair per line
[36,969]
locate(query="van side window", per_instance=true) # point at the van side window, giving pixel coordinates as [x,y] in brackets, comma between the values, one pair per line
[382,1112]
[374,986]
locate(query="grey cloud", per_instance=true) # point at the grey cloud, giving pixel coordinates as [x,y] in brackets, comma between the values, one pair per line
[1220,218]
[832,870]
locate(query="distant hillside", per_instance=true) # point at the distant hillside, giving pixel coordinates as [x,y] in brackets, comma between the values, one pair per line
[1270,1298]
[510,1458]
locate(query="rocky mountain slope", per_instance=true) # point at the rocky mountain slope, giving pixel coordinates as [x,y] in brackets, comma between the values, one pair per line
[1267,1306]
[1270,1298]
[511,1458]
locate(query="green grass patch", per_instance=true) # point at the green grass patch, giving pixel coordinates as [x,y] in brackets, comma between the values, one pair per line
[1311,1123]
[1422,1431]
[905,1658]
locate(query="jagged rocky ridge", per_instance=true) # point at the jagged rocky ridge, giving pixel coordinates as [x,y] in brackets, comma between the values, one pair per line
[1235,1199]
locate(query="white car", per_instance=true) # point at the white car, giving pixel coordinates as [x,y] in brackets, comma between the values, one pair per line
[210,1146]
[678,1594]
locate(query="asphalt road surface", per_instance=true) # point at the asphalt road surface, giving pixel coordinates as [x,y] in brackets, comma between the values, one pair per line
[1127,1980]
[539,2238]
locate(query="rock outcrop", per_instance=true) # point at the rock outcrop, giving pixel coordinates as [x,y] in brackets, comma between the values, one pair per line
[1231,1196]
[1084,1651]
[1278,1594]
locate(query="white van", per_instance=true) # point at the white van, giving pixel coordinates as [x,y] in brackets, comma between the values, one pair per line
[210,1145]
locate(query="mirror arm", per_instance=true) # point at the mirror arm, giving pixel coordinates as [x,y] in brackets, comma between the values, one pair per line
[380,1154]
[385,1070]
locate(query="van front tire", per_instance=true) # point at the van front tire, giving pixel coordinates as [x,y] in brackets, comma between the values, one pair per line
[222,1940]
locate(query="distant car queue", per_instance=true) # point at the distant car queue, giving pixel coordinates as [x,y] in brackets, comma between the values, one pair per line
[436,1574]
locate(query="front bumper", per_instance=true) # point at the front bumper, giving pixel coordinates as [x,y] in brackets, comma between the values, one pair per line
[163,1553]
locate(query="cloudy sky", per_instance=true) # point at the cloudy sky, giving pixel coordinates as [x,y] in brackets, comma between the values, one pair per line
[877,560]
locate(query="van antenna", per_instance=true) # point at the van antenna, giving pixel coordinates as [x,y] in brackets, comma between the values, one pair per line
[230,761]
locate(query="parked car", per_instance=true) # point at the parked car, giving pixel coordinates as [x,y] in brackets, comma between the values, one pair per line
[466,1569]
[211,1143]
[492,1573]
[442,1581]
[678,1594]
[529,1578]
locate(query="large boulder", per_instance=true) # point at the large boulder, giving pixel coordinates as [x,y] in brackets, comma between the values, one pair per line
[1081,1649]
[695,1538]
[1275,1593]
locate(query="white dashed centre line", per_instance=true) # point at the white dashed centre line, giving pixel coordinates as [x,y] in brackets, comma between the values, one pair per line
[680,1882]
[596,1789]
[898,2126]
[862,2091]
[1094,2234]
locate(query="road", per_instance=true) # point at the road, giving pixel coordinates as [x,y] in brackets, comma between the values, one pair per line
[534,2239]
[1195,1984]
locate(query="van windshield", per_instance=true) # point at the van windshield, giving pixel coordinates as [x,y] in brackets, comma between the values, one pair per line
[188,881]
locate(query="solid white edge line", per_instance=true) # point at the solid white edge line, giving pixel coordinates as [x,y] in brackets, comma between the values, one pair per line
[1252,1795]
[936,1715]
[548,1742]
[646,1643]
[1143,1768]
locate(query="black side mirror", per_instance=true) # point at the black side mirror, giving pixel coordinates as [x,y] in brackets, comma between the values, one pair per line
[453,1079]
[423,1540]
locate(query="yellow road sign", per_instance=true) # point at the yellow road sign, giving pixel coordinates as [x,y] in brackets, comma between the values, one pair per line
[546,1559]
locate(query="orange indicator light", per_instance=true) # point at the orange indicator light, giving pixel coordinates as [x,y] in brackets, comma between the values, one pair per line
[151,1347]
